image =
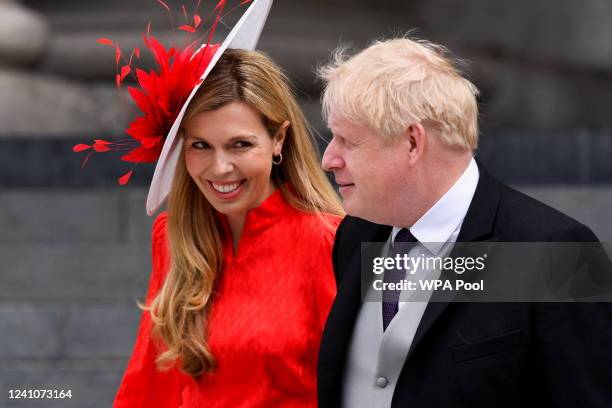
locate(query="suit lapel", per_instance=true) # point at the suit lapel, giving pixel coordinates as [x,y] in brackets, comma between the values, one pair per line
[341,319]
[477,226]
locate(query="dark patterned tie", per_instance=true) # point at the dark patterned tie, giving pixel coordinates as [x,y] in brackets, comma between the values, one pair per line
[390,299]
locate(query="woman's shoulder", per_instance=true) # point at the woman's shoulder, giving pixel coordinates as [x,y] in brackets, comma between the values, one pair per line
[160,255]
[159,236]
[159,225]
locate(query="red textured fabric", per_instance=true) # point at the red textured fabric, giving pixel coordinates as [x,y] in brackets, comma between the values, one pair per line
[271,302]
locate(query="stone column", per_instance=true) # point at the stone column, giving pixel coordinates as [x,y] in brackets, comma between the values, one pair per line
[23,34]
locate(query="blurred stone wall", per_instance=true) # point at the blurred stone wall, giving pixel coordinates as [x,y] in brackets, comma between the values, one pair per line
[539,64]
[74,246]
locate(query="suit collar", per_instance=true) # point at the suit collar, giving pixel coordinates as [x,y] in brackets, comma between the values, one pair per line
[478,222]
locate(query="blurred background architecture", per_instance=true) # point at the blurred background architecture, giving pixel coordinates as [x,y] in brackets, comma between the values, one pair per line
[74,246]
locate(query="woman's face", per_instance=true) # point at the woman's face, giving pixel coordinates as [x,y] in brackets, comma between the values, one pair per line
[228,153]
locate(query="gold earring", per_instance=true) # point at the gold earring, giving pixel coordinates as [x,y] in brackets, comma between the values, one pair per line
[279,160]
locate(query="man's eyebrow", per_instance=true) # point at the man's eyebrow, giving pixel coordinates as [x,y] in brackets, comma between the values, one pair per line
[337,134]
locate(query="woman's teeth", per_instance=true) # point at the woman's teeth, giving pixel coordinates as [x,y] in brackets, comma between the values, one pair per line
[225,188]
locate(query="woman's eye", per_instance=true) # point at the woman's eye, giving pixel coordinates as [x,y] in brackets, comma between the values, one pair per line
[242,144]
[200,145]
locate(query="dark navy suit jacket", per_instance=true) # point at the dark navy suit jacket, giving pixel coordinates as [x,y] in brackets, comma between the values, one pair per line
[483,354]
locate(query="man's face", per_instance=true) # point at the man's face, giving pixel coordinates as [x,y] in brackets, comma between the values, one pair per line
[366,168]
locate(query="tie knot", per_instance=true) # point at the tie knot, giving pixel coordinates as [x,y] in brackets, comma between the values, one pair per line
[404,235]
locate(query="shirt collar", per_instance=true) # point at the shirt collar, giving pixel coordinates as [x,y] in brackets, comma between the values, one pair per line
[437,225]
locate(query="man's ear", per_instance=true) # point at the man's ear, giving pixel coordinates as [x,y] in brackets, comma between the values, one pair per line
[414,139]
[279,138]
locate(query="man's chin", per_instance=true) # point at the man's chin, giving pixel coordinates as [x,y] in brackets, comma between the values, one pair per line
[352,209]
[373,215]
[346,190]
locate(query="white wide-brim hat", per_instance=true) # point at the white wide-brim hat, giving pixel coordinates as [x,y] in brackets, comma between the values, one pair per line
[244,35]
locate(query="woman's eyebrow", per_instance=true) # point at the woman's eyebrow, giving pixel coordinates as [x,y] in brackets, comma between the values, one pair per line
[246,136]
[193,137]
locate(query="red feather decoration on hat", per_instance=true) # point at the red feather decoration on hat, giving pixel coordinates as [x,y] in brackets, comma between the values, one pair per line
[161,92]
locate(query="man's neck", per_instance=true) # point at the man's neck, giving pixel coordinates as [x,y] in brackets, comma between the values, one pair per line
[434,183]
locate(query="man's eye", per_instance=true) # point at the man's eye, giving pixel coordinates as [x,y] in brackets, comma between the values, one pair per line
[200,145]
[340,140]
[345,142]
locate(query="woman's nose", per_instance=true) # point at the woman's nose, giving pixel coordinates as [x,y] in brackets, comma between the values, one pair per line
[223,163]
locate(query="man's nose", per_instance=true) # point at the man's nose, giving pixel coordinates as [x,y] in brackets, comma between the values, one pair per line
[331,158]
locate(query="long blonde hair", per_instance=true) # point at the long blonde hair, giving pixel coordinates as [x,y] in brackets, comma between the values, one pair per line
[179,312]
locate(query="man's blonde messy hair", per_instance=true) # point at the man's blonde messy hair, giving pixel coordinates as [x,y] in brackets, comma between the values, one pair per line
[397,82]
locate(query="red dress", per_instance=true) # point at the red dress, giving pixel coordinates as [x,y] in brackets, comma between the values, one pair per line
[266,320]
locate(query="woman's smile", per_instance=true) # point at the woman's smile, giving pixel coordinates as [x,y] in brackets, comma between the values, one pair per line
[227,190]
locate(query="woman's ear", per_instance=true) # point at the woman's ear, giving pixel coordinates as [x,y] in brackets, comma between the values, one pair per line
[279,138]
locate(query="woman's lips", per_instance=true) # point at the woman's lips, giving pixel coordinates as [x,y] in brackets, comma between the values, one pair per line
[225,190]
